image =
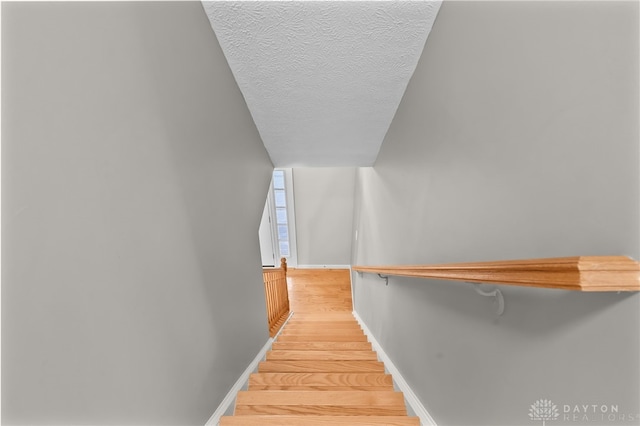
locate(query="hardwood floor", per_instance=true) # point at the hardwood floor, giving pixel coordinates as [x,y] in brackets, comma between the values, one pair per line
[319,291]
[321,370]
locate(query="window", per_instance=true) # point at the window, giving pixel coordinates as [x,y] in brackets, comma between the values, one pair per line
[280,197]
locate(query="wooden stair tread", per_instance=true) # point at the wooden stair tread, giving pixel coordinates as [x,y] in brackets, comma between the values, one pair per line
[324,316]
[348,319]
[319,421]
[345,403]
[330,346]
[323,410]
[336,324]
[324,332]
[346,398]
[322,325]
[322,309]
[320,379]
[321,355]
[324,321]
[328,293]
[321,367]
[319,388]
[322,338]
[344,315]
[322,328]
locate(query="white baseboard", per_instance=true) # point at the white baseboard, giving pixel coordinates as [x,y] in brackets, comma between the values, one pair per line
[323,267]
[242,380]
[237,386]
[412,399]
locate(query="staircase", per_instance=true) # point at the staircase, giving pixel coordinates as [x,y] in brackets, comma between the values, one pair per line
[321,370]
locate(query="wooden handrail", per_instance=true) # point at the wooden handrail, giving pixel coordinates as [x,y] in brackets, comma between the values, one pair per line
[582,273]
[277,296]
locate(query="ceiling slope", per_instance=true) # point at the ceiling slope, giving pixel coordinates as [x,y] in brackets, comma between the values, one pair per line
[322,79]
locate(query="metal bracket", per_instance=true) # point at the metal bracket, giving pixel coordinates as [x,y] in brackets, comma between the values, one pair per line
[385,278]
[495,293]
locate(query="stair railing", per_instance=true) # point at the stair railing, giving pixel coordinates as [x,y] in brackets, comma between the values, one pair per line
[581,273]
[277,296]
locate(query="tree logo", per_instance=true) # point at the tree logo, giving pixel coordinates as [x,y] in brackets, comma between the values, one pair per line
[544,410]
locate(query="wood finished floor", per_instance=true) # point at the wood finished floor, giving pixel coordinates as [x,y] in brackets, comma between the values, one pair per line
[319,291]
[321,369]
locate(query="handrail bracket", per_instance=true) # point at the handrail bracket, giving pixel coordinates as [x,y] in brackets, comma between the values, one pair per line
[385,278]
[498,298]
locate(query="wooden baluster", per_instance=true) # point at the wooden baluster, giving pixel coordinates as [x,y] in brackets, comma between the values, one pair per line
[265,278]
[279,287]
[274,292]
[269,292]
[269,300]
[277,295]
[285,292]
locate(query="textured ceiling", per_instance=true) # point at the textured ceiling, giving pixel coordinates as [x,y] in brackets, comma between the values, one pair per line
[322,79]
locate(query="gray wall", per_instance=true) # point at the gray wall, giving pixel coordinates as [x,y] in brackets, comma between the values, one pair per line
[517,138]
[133,179]
[324,214]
